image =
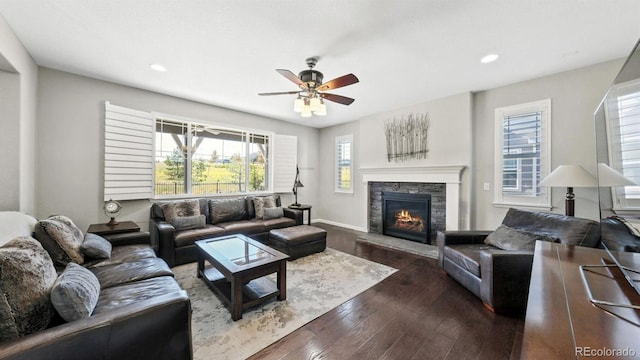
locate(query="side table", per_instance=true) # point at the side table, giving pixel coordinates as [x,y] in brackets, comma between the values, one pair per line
[303,208]
[121,227]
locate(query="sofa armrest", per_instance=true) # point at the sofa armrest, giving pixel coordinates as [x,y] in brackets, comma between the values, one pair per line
[163,236]
[157,328]
[505,279]
[131,238]
[294,214]
[446,238]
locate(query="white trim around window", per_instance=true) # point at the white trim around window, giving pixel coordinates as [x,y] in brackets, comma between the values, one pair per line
[344,164]
[522,155]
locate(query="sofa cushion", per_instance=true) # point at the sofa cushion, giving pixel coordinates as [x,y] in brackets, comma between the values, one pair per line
[273,213]
[189,222]
[126,253]
[278,223]
[27,275]
[244,227]
[15,224]
[116,297]
[260,203]
[174,209]
[188,237]
[75,293]
[466,256]
[126,272]
[61,238]
[507,238]
[231,209]
[95,246]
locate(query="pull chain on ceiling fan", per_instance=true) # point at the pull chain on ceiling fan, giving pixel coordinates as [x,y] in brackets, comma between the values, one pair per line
[311,95]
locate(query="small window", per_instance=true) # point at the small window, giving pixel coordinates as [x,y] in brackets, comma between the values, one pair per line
[344,164]
[522,154]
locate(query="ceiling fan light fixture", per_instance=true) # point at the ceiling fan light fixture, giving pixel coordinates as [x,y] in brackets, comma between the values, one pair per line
[314,103]
[322,109]
[298,104]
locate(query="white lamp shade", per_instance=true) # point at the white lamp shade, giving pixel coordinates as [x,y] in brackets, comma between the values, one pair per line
[569,176]
[610,177]
[298,104]
[322,110]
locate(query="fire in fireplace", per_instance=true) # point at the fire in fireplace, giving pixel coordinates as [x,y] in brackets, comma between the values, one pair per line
[407,216]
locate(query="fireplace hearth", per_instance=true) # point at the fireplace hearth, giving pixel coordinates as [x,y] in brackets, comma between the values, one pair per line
[407,216]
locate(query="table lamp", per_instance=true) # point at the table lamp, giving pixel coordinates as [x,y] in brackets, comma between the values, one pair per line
[569,176]
[296,184]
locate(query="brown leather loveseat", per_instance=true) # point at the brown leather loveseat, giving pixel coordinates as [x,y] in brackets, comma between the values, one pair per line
[500,278]
[219,216]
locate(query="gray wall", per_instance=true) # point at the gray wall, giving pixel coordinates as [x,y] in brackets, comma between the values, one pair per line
[449,144]
[574,97]
[71,138]
[17,123]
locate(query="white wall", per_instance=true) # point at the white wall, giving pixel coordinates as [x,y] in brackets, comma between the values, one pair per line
[449,144]
[71,138]
[17,124]
[574,97]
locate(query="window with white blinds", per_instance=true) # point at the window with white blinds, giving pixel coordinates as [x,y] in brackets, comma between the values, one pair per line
[344,164]
[128,154]
[522,154]
[623,123]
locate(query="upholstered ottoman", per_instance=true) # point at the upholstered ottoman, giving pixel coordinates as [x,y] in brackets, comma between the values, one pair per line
[298,241]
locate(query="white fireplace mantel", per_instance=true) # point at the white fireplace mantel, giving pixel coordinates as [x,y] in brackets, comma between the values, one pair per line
[447,174]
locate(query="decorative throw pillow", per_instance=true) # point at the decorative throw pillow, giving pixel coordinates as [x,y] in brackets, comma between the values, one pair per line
[62,239]
[189,222]
[261,203]
[273,213]
[27,275]
[95,246]
[507,238]
[15,224]
[176,209]
[75,293]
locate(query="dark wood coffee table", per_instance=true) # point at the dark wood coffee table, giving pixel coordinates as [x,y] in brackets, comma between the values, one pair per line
[238,267]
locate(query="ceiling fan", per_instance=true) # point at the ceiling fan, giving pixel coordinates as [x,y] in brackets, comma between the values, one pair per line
[311,93]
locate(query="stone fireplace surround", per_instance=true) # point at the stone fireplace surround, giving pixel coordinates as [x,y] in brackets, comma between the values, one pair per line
[449,175]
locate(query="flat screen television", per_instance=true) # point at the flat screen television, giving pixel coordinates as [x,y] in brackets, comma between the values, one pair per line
[617,129]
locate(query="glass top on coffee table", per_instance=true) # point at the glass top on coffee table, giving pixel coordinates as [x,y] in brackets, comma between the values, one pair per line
[238,250]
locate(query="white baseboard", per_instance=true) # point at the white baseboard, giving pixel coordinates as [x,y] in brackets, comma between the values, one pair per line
[334,223]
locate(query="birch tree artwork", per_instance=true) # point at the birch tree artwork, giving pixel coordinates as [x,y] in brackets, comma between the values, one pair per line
[407,137]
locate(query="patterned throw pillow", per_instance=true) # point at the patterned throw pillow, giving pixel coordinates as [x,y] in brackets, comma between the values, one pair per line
[176,209]
[27,275]
[75,293]
[507,238]
[61,238]
[95,246]
[273,213]
[261,203]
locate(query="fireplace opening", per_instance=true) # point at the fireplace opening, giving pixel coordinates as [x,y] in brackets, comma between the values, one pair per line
[407,216]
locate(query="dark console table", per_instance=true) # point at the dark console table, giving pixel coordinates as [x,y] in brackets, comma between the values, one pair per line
[119,228]
[561,322]
[303,208]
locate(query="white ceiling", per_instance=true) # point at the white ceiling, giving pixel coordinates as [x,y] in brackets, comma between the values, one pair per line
[404,52]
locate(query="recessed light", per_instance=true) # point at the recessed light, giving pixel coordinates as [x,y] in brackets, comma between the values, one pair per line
[158,67]
[489,58]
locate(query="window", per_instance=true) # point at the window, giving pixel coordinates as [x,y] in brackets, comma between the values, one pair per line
[199,159]
[522,154]
[623,123]
[344,164]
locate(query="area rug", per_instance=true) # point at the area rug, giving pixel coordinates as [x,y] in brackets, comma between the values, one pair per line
[412,247]
[315,284]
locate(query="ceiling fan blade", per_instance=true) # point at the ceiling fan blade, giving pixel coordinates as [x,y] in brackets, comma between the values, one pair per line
[291,76]
[337,98]
[279,93]
[338,82]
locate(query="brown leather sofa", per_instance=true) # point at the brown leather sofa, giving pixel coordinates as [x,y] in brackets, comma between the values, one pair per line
[142,313]
[500,278]
[177,247]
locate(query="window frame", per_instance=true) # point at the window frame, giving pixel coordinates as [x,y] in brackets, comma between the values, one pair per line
[190,124]
[543,199]
[339,140]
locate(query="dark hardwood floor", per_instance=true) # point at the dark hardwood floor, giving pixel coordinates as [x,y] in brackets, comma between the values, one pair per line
[416,313]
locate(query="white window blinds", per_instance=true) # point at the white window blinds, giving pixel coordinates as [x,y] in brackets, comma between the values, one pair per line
[128,154]
[285,159]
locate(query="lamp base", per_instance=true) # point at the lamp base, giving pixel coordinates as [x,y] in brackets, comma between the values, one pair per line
[569,202]
[112,222]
